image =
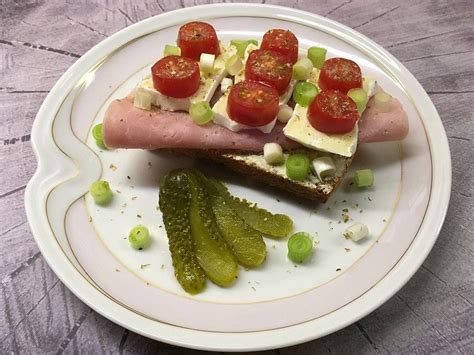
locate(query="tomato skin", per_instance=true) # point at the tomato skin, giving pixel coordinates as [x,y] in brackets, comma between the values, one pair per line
[253,104]
[268,67]
[195,38]
[333,112]
[283,42]
[340,74]
[176,76]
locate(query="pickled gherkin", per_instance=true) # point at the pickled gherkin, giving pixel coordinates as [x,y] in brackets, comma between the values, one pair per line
[211,250]
[246,243]
[175,203]
[273,225]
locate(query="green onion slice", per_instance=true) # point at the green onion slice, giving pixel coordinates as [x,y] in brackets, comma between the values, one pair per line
[359,96]
[171,50]
[139,237]
[234,65]
[302,69]
[98,136]
[300,247]
[201,112]
[304,93]
[317,56]
[298,166]
[241,44]
[364,178]
[101,192]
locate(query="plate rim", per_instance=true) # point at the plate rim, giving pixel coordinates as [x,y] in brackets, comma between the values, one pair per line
[429,231]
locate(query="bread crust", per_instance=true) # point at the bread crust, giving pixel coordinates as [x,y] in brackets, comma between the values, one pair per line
[314,191]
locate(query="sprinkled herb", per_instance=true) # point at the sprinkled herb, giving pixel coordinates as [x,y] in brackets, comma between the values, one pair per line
[384,220]
[112,167]
[253,288]
[118,191]
[368,198]
[128,177]
[338,269]
[347,249]
[117,270]
[139,216]
[345,210]
[124,205]
[134,198]
[90,219]
[149,164]
[162,266]
[142,266]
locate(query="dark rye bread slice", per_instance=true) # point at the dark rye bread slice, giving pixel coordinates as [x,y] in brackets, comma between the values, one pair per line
[254,165]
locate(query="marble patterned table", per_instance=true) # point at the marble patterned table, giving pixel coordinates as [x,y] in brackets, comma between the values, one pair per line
[39,40]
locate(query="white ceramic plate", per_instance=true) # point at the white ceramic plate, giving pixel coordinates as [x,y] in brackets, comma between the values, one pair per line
[278,304]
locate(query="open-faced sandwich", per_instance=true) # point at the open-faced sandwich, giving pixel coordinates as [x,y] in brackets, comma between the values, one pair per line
[262,108]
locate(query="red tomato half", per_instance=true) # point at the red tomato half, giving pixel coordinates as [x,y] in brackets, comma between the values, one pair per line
[253,104]
[283,42]
[195,38]
[268,67]
[333,112]
[340,74]
[176,76]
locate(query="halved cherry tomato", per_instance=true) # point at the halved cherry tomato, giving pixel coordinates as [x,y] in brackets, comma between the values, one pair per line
[252,104]
[340,74]
[333,112]
[176,76]
[195,38]
[283,42]
[268,67]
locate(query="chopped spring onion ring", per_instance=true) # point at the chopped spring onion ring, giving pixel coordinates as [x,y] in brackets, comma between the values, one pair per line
[98,136]
[356,232]
[273,153]
[201,112]
[206,62]
[304,93]
[317,56]
[364,178]
[323,167]
[297,166]
[302,69]
[142,100]
[226,83]
[285,113]
[382,101]
[139,237]
[234,65]
[359,96]
[300,247]
[101,192]
[171,50]
[241,45]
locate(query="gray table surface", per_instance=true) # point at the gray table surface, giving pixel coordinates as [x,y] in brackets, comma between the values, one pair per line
[39,40]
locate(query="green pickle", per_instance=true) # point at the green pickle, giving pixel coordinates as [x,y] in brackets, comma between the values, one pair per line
[175,203]
[211,250]
[273,225]
[246,243]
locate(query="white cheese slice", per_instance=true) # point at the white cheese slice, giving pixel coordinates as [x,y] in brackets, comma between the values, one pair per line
[207,87]
[299,129]
[222,118]
[369,84]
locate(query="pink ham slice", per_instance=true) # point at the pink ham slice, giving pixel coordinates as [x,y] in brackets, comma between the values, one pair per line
[126,126]
[383,126]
